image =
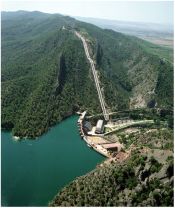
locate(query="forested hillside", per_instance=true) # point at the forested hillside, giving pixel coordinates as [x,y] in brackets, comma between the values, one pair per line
[132,72]
[46,76]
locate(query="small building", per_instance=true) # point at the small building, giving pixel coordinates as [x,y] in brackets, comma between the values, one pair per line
[114,147]
[99,127]
[87,126]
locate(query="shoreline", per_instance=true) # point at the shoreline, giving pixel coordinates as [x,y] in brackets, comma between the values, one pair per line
[83,136]
[55,144]
[16,138]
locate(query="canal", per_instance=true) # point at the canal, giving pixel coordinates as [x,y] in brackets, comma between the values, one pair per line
[33,171]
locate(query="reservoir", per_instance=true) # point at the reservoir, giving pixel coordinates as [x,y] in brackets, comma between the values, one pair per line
[33,171]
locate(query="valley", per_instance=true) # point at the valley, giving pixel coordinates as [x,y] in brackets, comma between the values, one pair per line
[54,67]
[53,82]
[159,34]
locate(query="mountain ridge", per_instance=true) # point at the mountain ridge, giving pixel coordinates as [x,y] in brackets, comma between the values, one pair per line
[32,48]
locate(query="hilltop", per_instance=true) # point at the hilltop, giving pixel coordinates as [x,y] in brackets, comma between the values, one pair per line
[46,76]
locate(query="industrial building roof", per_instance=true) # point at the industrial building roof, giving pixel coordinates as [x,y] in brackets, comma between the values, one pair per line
[99,124]
[88,125]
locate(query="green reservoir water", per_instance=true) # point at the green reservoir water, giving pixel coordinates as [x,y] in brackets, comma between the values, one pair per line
[33,171]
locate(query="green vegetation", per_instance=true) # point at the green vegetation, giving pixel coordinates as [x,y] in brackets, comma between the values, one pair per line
[165,53]
[139,160]
[159,194]
[118,185]
[46,76]
[128,69]
[155,165]
[153,138]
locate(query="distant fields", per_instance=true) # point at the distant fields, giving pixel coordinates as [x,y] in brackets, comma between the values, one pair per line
[156,49]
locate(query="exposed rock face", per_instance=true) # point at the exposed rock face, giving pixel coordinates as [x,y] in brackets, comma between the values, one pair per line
[137,101]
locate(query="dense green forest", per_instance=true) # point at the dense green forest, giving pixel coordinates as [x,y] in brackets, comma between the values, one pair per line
[46,76]
[130,67]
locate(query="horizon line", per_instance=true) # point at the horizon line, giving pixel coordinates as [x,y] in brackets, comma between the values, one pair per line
[158,23]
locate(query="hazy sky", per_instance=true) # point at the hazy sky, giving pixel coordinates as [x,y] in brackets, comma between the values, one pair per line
[140,11]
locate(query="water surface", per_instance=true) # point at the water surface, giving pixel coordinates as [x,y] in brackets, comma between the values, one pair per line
[33,171]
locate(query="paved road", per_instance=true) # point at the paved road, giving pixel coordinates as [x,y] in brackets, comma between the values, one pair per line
[102,102]
[132,123]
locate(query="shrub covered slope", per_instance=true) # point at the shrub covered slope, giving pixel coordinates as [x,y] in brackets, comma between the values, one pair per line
[140,181]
